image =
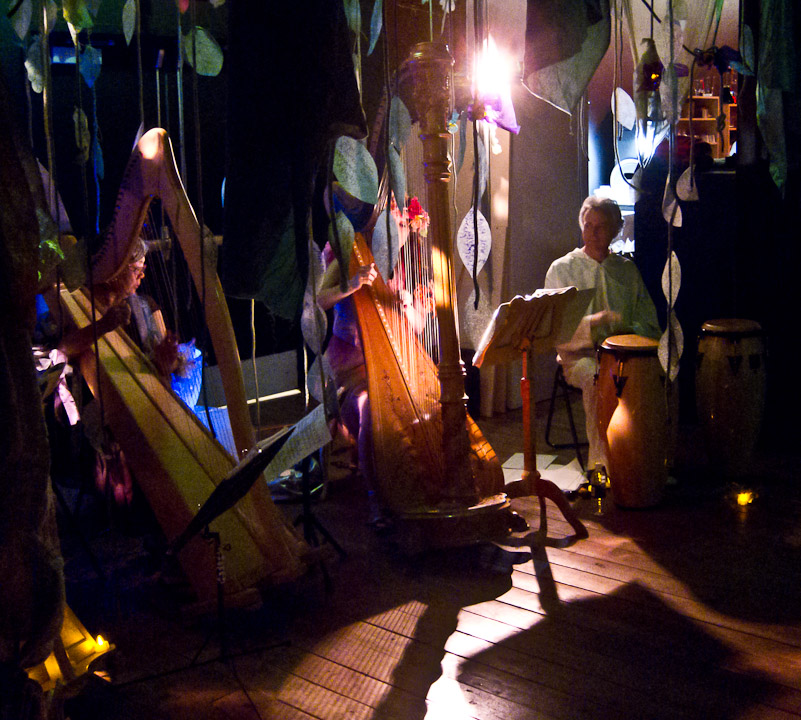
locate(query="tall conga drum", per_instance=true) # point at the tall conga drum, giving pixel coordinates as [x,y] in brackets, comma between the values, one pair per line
[633,418]
[730,390]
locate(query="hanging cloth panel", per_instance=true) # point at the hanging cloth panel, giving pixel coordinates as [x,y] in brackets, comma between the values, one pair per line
[292,87]
[565,42]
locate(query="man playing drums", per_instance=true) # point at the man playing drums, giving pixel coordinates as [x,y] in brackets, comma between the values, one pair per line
[621,305]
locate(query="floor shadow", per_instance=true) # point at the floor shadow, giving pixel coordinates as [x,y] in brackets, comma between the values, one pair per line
[622,655]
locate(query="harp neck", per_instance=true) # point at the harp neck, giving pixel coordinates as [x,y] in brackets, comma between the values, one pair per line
[151,174]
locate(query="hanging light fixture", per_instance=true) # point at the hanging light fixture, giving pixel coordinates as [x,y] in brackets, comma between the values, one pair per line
[651,124]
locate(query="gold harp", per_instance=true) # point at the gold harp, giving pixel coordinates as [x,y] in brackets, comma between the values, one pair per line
[175,460]
[435,471]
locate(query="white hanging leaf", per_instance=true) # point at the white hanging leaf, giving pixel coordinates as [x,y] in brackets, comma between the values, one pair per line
[686,187]
[375,24]
[671,210]
[385,245]
[128,20]
[33,66]
[74,31]
[203,52]
[482,167]
[625,112]
[671,278]
[671,344]
[466,245]
[21,19]
[355,170]
[91,62]
[400,123]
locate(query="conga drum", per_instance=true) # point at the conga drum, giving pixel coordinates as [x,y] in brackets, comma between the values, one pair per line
[730,390]
[633,419]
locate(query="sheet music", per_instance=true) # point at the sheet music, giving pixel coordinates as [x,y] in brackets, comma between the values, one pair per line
[309,434]
[533,323]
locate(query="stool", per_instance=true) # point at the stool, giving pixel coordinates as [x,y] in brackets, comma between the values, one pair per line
[561,384]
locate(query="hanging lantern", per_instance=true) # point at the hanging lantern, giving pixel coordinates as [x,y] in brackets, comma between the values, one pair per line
[648,105]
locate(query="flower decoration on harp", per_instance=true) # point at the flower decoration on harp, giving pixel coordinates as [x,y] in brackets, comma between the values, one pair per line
[418,218]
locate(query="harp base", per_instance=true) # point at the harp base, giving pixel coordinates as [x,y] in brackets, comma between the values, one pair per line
[454,526]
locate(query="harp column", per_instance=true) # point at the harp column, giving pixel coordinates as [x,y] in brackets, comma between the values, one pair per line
[430,65]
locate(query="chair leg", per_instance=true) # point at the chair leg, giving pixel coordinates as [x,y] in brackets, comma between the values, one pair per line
[576,444]
[551,408]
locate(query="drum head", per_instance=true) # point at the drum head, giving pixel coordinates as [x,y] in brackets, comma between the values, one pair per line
[630,344]
[731,326]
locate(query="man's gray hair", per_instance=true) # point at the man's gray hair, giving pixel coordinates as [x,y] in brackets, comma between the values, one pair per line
[606,206]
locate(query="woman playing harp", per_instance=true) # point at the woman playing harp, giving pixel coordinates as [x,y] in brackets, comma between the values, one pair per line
[345,352]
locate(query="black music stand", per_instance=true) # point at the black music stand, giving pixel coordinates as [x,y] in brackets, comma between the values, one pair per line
[525,325]
[231,489]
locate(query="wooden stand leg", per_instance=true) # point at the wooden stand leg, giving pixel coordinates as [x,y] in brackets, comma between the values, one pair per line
[531,477]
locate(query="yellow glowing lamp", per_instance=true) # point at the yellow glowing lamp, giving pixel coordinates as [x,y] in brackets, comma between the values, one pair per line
[74,650]
[745,497]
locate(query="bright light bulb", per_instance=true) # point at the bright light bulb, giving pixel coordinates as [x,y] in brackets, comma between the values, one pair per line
[492,74]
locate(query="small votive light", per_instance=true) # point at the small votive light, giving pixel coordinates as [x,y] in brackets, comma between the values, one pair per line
[745,497]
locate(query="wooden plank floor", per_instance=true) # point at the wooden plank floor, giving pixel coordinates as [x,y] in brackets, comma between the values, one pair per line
[688,610]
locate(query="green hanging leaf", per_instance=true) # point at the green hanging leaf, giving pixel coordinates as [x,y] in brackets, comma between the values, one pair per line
[51,12]
[83,139]
[21,19]
[353,14]
[91,61]
[397,177]
[400,123]
[375,24]
[385,244]
[33,66]
[200,46]
[76,13]
[462,142]
[128,20]
[355,170]
[346,236]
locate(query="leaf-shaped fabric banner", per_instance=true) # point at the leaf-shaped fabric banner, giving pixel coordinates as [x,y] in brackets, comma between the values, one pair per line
[385,246]
[129,20]
[671,344]
[21,19]
[33,66]
[203,52]
[376,22]
[671,210]
[623,108]
[76,13]
[346,235]
[400,123]
[355,170]
[686,187]
[397,177]
[466,245]
[91,62]
[671,279]
[83,139]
